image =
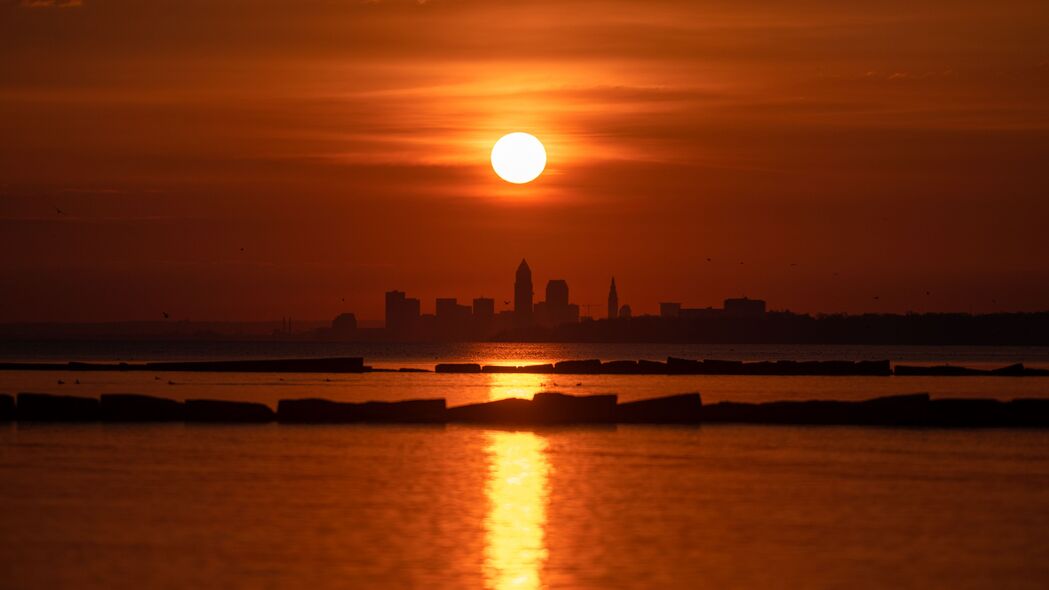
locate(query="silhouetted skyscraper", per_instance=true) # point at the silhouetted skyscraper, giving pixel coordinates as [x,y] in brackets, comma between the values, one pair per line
[557,293]
[523,295]
[613,301]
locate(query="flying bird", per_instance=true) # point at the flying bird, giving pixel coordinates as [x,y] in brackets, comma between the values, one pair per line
[166,316]
[59,211]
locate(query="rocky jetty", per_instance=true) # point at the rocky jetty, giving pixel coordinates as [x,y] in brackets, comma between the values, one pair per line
[306,365]
[46,407]
[686,408]
[7,407]
[133,407]
[679,366]
[210,410]
[458,368]
[544,409]
[322,411]
[1014,370]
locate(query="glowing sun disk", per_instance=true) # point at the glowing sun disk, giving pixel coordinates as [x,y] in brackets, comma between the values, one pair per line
[518,158]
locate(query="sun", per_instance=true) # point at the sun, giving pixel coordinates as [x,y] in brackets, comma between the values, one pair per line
[518,158]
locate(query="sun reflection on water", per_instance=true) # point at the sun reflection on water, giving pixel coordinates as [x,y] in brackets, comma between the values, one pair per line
[522,385]
[517,493]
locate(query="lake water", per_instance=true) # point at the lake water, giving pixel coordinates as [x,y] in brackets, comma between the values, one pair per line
[467,507]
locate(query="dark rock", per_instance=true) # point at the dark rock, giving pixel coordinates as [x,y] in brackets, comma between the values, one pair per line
[543,409]
[836,368]
[7,407]
[1015,370]
[651,367]
[504,411]
[936,371]
[730,412]
[321,411]
[620,367]
[559,408]
[897,410]
[584,367]
[719,367]
[1029,412]
[209,410]
[44,407]
[678,366]
[686,408]
[500,369]
[131,407]
[308,365]
[760,368]
[893,410]
[882,368]
[458,368]
[969,412]
[413,370]
[547,368]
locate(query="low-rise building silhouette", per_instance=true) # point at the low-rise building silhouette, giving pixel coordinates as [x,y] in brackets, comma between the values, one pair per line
[402,314]
[744,308]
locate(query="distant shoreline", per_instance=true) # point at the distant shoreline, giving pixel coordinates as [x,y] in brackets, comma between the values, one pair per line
[672,366]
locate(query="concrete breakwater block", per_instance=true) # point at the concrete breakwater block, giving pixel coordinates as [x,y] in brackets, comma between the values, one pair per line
[133,407]
[458,368]
[7,407]
[583,367]
[322,411]
[969,412]
[1014,370]
[209,410]
[1033,412]
[897,410]
[686,408]
[45,407]
[542,409]
[547,368]
[620,368]
[305,365]
[679,366]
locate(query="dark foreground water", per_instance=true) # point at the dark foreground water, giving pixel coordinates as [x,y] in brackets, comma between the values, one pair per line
[462,507]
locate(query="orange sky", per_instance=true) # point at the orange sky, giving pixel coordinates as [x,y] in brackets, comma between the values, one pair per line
[885,148]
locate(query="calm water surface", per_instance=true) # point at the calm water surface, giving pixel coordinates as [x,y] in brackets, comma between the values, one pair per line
[458,389]
[458,507]
[462,507]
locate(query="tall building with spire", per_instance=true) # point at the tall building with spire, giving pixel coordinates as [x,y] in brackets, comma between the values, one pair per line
[523,295]
[613,301]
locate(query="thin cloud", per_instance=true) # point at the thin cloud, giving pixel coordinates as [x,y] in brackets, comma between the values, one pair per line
[51,3]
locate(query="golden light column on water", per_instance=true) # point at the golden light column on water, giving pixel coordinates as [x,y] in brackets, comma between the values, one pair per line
[517,494]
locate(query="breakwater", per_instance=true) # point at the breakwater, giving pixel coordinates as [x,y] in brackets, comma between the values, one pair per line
[544,409]
[304,365]
[672,366]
